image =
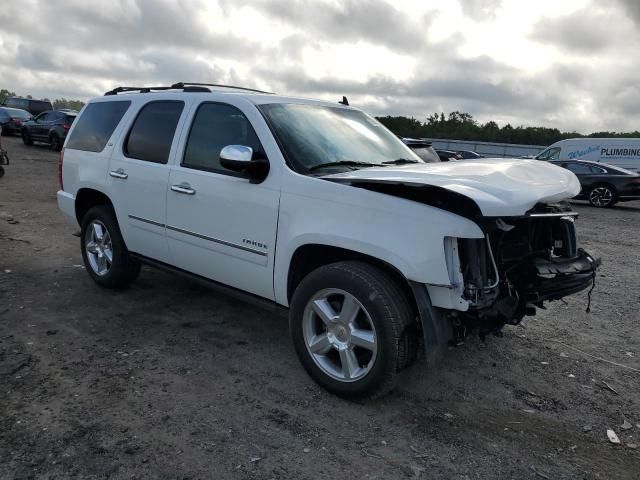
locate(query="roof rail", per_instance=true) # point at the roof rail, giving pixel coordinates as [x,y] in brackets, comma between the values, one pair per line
[118,90]
[185,86]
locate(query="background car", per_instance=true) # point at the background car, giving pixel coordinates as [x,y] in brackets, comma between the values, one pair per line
[469,155]
[448,155]
[48,127]
[422,148]
[602,184]
[34,107]
[11,120]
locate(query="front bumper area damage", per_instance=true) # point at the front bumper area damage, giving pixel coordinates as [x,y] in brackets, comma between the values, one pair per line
[521,263]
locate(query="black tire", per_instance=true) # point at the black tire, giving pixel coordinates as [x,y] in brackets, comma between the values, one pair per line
[55,142]
[123,268]
[26,138]
[389,311]
[1,172]
[602,196]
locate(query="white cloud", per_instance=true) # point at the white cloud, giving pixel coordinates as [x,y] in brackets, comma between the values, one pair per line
[568,64]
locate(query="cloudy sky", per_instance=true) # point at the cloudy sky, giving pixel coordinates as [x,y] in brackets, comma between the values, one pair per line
[571,64]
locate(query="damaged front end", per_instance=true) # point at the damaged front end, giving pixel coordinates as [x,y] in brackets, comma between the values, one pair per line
[521,263]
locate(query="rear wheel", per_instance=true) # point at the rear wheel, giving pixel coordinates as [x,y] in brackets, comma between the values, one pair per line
[602,196]
[26,137]
[104,252]
[348,323]
[55,142]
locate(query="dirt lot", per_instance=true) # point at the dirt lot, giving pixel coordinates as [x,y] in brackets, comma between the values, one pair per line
[170,380]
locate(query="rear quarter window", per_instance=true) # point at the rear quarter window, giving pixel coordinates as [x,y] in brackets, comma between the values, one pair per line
[96,125]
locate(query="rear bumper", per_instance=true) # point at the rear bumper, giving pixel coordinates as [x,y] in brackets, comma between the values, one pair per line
[557,278]
[67,204]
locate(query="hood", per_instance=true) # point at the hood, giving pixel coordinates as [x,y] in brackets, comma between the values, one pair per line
[499,187]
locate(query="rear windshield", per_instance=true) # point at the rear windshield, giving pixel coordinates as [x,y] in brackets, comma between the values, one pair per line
[17,113]
[617,169]
[96,125]
[70,118]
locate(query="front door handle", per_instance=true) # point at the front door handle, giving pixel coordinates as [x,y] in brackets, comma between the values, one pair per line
[119,173]
[183,188]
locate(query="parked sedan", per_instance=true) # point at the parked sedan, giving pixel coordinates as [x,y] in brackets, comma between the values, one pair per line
[602,184]
[49,127]
[11,120]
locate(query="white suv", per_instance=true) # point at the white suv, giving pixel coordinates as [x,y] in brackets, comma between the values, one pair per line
[318,208]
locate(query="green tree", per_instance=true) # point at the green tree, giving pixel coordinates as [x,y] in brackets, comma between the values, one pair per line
[4,93]
[61,103]
[462,126]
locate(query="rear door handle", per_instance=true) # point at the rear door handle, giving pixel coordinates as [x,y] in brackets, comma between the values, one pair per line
[119,173]
[183,188]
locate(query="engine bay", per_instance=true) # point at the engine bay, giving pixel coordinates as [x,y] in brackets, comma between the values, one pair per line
[521,263]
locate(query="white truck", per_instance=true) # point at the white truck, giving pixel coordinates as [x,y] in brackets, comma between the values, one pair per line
[318,209]
[619,152]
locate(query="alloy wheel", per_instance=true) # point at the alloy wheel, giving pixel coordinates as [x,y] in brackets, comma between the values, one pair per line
[98,247]
[339,335]
[601,196]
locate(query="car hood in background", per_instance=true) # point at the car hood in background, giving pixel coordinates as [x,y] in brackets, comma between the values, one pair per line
[500,187]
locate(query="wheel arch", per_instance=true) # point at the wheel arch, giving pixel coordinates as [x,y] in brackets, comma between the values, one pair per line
[87,198]
[604,183]
[309,257]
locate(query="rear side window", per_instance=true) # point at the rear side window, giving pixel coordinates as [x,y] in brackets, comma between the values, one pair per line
[17,103]
[579,168]
[152,132]
[96,124]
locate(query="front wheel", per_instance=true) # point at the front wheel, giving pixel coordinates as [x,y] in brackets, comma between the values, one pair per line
[602,196]
[347,321]
[104,252]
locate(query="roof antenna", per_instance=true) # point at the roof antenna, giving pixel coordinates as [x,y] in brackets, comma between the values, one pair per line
[344,101]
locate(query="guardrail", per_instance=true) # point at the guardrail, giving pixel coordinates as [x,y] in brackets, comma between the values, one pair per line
[488,149]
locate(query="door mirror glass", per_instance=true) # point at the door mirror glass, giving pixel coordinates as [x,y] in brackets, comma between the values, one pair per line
[240,158]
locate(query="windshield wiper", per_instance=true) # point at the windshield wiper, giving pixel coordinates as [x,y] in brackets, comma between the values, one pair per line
[343,163]
[400,161]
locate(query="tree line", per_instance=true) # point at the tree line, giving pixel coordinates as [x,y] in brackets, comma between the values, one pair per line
[455,126]
[58,103]
[462,126]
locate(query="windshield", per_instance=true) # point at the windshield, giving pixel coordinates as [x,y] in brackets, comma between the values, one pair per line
[549,154]
[314,135]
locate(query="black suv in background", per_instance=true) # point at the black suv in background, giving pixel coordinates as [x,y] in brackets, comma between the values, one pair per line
[48,127]
[11,120]
[34,107]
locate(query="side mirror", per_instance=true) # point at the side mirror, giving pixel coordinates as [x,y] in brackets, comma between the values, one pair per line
[241,159]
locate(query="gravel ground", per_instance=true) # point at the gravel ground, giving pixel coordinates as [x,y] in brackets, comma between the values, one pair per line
[170,380]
